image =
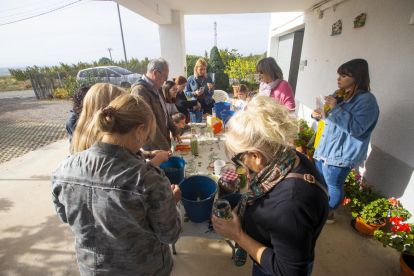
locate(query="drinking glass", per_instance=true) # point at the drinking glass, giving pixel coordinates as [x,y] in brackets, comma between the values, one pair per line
[222,209]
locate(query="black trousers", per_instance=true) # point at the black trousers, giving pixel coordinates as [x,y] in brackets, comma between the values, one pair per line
[208,108]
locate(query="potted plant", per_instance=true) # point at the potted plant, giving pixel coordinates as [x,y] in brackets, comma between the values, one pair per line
[311,151]
[304,135]
[401,238]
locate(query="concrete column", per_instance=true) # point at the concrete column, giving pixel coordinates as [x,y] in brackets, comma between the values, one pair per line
[172,41]
[273,47]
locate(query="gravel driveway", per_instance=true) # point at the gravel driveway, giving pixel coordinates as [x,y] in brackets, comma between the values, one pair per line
[27,124]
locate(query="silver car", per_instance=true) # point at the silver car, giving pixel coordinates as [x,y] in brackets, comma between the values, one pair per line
[111,74]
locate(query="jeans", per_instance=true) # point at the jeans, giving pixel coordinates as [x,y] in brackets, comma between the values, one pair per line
[334,178]
[260,271]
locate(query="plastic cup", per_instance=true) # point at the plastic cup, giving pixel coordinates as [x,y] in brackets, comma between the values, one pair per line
[218,164]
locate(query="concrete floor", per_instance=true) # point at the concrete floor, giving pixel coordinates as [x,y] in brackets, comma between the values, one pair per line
[33,241]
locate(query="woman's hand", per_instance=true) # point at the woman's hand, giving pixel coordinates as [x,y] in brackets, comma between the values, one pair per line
[177,193]
[161,157]
[198,106]
[316,114]
[210,86]
[331,101]
[229,228]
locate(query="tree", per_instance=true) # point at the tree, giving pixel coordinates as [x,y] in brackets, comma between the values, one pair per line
[239,68]
[104,61]
[217,67]
[19,75]
[228,56]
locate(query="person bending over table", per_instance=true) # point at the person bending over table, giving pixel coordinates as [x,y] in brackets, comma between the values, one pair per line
[200,87]
[122,210]
[279,219]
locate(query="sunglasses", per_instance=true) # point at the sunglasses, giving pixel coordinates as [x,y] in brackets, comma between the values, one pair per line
[236,159]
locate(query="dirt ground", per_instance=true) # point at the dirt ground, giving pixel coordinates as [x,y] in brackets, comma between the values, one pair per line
[11,84]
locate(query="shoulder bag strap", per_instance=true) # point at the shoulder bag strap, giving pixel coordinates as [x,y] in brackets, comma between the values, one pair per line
[309,178]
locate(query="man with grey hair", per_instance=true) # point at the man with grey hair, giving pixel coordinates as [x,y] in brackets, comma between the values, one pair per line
[148,88]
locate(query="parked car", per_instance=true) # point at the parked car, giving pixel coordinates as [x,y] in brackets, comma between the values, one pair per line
[111,74]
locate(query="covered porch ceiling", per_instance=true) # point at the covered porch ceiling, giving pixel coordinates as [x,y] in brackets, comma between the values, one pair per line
[159,11]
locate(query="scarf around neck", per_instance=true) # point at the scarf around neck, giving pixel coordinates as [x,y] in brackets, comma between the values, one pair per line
[266,88]
[262,184]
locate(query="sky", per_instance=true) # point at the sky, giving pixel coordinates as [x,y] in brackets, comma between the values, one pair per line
[85,30]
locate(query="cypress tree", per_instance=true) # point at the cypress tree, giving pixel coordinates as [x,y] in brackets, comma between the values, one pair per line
[217,66]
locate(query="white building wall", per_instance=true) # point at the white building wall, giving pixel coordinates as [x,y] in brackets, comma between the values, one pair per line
[387,43]
[172,41]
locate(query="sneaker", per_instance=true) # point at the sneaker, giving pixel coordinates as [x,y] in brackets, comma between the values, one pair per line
[331,219]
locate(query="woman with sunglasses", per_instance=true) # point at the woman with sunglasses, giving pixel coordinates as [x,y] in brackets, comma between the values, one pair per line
[182,104]
[278,220]
[272,83]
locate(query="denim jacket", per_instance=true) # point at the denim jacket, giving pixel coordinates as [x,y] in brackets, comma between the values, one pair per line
[347,132]
[192,87]
[121,210]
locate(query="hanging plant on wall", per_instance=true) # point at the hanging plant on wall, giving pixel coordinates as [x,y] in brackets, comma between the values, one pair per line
[337,28]
[359,21]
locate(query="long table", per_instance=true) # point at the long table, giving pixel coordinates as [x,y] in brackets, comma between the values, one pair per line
[208,153]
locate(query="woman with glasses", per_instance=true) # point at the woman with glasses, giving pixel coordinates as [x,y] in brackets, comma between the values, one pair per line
[182,104]
[272,83]
[278,220]
[200,87]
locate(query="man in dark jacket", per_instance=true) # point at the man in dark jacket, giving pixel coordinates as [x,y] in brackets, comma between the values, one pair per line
[148,88]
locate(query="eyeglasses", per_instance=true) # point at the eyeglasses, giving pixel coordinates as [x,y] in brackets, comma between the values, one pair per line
[165,77]
[236,159]
[174,90]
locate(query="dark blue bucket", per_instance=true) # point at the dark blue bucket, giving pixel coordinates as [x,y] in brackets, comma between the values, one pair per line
[198,116]
[175,162]
[233,199]
[226,115]
[197,196]
[219,107]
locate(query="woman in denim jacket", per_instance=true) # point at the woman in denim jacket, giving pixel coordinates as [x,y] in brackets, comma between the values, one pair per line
[352,117]
[197,83]
[121,209]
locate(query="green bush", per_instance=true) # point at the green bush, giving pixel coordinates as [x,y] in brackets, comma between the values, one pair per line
[217,66]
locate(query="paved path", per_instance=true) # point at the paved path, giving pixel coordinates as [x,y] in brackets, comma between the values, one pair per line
[11,94]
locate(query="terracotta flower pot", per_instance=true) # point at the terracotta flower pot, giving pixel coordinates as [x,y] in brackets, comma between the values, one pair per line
[50,96]
[235,93]
[405,270]
[302,149]
[367,228]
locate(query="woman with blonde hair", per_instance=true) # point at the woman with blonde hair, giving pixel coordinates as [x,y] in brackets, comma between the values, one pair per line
[121,209]
[98,96]
[278,220]
[200,87]
[272,83]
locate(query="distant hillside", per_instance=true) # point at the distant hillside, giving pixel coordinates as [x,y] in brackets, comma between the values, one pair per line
[4,72]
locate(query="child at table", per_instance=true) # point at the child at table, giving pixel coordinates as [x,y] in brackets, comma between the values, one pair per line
[179,121]
[242,94]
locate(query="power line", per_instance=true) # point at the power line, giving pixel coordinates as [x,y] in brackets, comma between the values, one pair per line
[41,13]
[31,11]
[24,6]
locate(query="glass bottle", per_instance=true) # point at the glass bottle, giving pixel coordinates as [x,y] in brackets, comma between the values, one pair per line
[242,176]
[213,112]
[194,145]
[228,183]
[222,209]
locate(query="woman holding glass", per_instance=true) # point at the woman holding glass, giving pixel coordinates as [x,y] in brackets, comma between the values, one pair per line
[200,87]
[278,220]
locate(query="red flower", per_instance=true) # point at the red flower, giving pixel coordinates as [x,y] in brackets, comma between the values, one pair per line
[345,201]
[301,128]
[64,77]
[67,70]
[357,176]
[404,227]
[393,201]
[396,220]
[394,229]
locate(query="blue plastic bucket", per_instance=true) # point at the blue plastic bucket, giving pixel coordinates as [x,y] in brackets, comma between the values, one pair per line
[197,196]
[233,199]
[198,116]
[175,162]
[226,115]
[219,107]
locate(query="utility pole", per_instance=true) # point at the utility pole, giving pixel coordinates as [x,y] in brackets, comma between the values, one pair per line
[110,49]
[122,35]
[215,33]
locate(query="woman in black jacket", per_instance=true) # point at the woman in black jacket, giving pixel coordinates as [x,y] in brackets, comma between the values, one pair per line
[181,101]
[278,220]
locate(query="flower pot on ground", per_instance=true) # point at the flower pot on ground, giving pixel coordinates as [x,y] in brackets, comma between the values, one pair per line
[406,265]
[235,92]
[368,228]
[302,149]
[310,152]
[305,133]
